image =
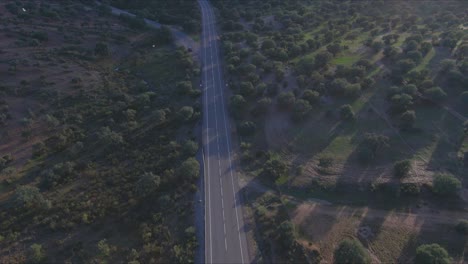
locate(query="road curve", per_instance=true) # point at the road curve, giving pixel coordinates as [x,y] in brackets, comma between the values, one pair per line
[225,238]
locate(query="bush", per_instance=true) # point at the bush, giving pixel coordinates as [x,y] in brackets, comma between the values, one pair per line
[185,113]
[446,185]
[275,168]
[311,96]
[286,100]
[190,148]
[401,102]
[101,49]
[370,146]
[147,184]
[431,253]
[247,128]
[462,227]
[301,109]
[262,106]
[407,120]
[36,253]
[401,168]
[27,197]
[237,105]
[184,87]
[346,112]
[410,188]
[325,161]
[351,251]
[247,89]
[190,169]
[41,36]
[435,94]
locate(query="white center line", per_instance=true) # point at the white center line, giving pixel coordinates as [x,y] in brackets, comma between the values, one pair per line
[227,141]
[217,135]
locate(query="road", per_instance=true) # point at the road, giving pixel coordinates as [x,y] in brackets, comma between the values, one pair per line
[225,238]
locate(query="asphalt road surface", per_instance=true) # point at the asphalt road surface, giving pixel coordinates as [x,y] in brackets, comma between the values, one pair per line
[225,239]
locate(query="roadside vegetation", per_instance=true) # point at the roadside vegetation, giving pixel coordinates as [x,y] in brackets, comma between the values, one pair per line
[175,12]
[361,104]
[97,137]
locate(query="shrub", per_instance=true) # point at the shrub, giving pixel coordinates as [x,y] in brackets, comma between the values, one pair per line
[247,89]
[446,184]
[190,169]
[301,109]
[431,253]
[351,251]
[311,96]
[275,168]
[401,168]
[462,227]
[435,94]
[37,253]
[27,197]
[104,248]
[185,113]
[410,188]
[262,106]
[247,128]
[371,145]
[109,137]
[401,102]
[190,147]
[237,105]
[60,173]
[346,112]
[41,36]
[325,161]
[184,87]
[147,184]
[286,100]
[101,49]
[407,120]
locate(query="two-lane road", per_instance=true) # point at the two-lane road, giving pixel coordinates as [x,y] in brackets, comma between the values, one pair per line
[225,239]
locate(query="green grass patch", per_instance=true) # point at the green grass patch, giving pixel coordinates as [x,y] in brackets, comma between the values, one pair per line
[401,39]
[424,63]
[340,147]
[282,180]
[358,42]
[346,60]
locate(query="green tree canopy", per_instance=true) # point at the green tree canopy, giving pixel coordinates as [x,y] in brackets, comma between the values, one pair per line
[190,168]
[446,184]
[432,253]
[147,184]
[402,168]
[351,251]
[346,112]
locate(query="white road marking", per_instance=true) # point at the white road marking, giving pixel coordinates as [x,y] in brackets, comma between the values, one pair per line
[208,157]
[229,149]
[217,142]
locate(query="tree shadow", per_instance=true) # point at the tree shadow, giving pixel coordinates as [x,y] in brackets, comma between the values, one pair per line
[442,233]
